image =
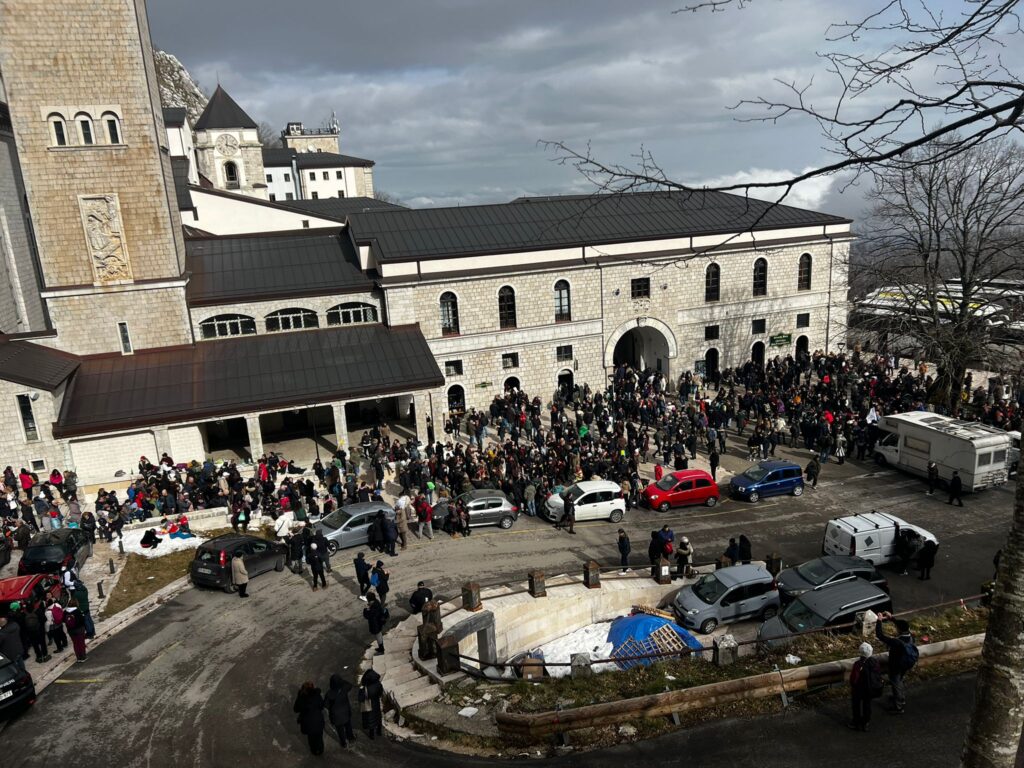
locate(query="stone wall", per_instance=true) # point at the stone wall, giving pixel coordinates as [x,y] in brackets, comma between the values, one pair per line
[15,449]
[258,310]
[23,311]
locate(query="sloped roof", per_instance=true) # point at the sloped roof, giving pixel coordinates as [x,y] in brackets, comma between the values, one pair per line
[223,112]
[339,207]
[179,167]
[274,157]
[213,379]
[174,117]
[281,156]
[248,268]
[34,365]
[578,220]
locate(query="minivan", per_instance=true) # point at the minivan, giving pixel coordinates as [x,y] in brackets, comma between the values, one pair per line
[726,595]
[872,536]
[767,478]
[211,567]
[594,500]
[834,604]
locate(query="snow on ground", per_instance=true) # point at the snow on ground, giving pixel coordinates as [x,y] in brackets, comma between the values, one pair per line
[592,640]
[133,538]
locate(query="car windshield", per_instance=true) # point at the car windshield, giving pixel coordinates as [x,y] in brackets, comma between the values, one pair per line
[667,483]
[44,553]
[207,555]
[336,519]
[755,473]
[572,492]
[709,589]
[816,571]
[799,618]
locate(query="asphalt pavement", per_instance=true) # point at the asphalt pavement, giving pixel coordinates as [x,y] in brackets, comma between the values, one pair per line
[209,679]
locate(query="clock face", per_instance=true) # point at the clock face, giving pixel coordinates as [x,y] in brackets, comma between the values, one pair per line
[227,145]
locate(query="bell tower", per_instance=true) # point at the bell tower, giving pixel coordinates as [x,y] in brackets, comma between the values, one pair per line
[86,115]
[228,147]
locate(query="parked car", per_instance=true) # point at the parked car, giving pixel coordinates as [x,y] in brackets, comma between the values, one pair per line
[349,526]
[29,590]
[873,536]
[211,567]
[486,507]
[49,551]
[767,478]
[682,489]
[16,688]
[834,604]
[794,582]
[594,500]
[727,595]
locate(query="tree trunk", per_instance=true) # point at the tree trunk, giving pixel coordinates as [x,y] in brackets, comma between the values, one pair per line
[995,731]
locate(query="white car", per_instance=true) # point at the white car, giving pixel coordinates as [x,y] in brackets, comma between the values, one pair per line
[594,500]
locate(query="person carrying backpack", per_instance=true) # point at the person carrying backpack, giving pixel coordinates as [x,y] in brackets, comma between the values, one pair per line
[865,685]
[903,655]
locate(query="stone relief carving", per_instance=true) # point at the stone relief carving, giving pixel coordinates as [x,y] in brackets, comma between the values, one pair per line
[101,217]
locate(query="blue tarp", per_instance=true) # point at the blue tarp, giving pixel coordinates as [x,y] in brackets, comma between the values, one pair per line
[639,628]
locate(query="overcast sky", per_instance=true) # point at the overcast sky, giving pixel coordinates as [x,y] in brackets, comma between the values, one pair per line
[451,97]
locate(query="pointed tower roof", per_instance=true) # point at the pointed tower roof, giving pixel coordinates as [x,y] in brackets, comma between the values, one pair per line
[223,112]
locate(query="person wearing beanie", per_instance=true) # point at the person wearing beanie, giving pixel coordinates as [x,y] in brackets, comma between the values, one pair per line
[316,565]
[865,685]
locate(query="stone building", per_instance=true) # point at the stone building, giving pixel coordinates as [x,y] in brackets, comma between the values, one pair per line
[159,314]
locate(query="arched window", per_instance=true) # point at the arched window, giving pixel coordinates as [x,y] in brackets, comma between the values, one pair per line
[58,131]
[449,314]
[712,282]
[292,319]
[507,307]
[563,302]
[112,124]
[227,325]
[230,175]
[85,132]
[761,277]
[352,314]
[803,273]
[457,399]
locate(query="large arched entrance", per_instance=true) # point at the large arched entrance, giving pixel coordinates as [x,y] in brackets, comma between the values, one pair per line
[643,348]
[711,363]
[511,383]
[802,348]
[565,384]
[457,399]
[757,354]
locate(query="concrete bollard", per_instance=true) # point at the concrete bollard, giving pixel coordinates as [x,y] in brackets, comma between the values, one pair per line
[432,614]
[773,564]
[722,562]
[661,572]
[120,546]
[426,634]
[536,584]
[725,652]
[99,590]
[592,575]
[580,666]
[110,564]
[447,655]
[471,596]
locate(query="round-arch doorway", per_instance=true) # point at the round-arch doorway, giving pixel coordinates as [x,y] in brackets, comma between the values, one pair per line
[512,383]
[803,346]
[566,384]
[711,363]
[642,348]
[457,399]
[757,354]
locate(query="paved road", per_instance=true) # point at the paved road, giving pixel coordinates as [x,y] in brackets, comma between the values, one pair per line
[208,679]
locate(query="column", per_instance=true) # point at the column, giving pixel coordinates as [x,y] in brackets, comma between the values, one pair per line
[163,442]
[340,425]
[252,423]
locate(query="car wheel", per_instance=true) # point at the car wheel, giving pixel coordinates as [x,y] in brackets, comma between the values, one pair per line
[880,460]
[332,546]
[664,506]
[769,613]
[754,497]
[798,491]
[230,588]
[505,522]
[616,516]
[709,626]
[711,501]
[279,565]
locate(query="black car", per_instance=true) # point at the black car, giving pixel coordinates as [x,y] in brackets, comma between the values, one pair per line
[16,688]
[47,552]
[794,582]
[211,566]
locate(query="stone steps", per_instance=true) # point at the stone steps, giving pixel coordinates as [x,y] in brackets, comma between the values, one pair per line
[414,692]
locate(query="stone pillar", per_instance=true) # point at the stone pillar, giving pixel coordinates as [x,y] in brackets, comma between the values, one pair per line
[722,562]
[487,650]
[592,575]
[252,423]
[162,440]
[774,563]
[580,665]
[725,651]
[432,614]
[471,596]
[422,405]
[447,655]
[340,425]
[537,586]
[426,635]
[662,572]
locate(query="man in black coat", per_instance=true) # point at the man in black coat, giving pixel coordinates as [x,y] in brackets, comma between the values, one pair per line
[371,691]
[309,704]
[624,550]
[420,597]
[375,620]
[956,487]
[339,709]
[362,575]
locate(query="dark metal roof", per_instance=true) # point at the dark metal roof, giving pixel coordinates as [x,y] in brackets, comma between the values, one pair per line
[329,160]
[560,222]
[179,167]
[34,365]
[174,117]
[274,157]
[213,379]
[223,112]
[339,207]
[230,269]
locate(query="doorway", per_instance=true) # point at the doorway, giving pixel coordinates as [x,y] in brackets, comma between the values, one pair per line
[757,354]
[711,363]
[642,348]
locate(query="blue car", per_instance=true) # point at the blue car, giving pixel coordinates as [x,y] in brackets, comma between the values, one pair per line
[767,478]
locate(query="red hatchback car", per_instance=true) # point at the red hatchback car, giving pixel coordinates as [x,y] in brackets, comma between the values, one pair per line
[682,489]
[29,590]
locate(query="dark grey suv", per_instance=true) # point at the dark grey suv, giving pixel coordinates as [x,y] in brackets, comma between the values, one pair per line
[793,582]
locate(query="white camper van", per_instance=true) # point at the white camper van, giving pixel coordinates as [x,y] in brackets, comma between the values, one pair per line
[1013,459]
[873,536]
[977,451]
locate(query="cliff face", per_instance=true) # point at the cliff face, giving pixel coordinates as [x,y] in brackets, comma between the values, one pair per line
[177,87]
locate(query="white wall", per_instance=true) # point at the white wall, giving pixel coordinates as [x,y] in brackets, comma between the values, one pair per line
[280,183]
[221,214]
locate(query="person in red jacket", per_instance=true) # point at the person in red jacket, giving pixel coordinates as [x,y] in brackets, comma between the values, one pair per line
[424,517]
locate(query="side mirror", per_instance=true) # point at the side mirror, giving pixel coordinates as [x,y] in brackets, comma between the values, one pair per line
[725,603]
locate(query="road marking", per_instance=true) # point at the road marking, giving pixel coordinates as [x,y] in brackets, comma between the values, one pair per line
[62,681]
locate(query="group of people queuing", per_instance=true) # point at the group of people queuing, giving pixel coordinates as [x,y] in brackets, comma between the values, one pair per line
[315,710]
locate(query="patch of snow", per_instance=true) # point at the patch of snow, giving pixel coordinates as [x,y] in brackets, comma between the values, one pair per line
[591,640]
[468,711]
[133,539]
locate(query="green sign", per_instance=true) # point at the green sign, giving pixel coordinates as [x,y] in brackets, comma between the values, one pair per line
[780,340]
[483,385]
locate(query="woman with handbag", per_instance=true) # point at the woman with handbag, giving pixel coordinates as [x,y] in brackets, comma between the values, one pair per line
[309,705]
[370,694]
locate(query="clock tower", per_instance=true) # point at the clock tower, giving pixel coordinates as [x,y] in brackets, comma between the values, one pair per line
[228,147]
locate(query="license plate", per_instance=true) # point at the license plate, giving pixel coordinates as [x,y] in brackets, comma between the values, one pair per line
[6,695]
[205,570]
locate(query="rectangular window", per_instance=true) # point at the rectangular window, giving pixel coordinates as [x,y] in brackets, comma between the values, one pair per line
[273,197]
[452,367]
[86,127]
[270,178]
[289,196]
[326,175]
[305,223]
[58,133]
[38,465]
[984,459]
[563,354]
[803,320]
[917,444]
[640,288]
[341,193]
[316,195]
[710,332]
[337,175]
[125,337]
[28,419]
[510,360]
[113,131]
[287,177]
[757,326]
[312,175]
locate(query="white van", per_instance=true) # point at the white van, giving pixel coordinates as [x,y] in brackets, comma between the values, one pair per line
[593,500]
[872,536]
[1013,457]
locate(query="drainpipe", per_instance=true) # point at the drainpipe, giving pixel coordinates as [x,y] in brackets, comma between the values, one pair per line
[828,308]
